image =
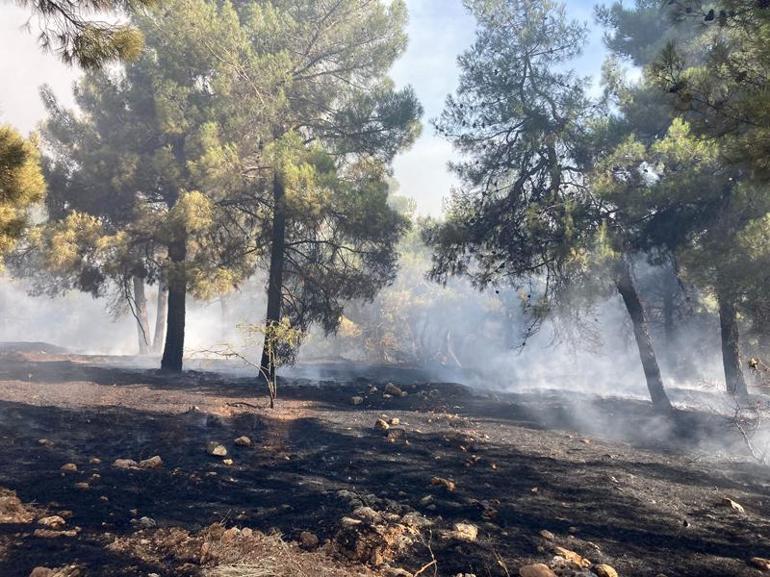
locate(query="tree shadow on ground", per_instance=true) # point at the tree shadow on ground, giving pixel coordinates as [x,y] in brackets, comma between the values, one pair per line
[289,480]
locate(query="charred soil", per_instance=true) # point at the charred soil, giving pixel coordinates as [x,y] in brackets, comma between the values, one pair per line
[455,481]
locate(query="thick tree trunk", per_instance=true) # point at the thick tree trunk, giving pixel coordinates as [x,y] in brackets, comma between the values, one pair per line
[275,281]
[625,285]
[160,319]
[173,352]
[731,354]
[140,312]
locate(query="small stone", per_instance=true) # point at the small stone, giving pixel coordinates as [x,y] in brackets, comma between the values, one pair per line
[69,468]
[227,462]
[448,484]
[350,522]
[52,522]
[734,505]
[465,532]
[572,557]
[83,486]
[125,464]
[104,499]
[95,461]
[216,449]
[308,540]
[426,500]
[152,463]
[355,401]
[547,535]
[247,532]
[45,442]
[381,424]
[760,563]
[393,390]
[144,522]
[605,570]
[41,572]
[536,570]
[243,441]
[395,421]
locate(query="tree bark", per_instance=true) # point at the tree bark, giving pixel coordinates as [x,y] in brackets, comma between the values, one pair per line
[160,319]
[173,352]
[140,313]
[625,285]
[275,280]
[731,354]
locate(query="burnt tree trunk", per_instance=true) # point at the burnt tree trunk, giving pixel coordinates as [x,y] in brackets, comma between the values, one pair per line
[140,313]
[731,354]
[275,281]
[625,285]
[173,352]
[160,319]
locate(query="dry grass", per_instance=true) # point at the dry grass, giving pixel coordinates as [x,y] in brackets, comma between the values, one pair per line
[270,556]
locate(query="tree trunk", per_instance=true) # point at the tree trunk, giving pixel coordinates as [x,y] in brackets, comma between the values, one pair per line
[173,352]
[731,354]
[625,285]
[275,281]
[160,319]
[140,313]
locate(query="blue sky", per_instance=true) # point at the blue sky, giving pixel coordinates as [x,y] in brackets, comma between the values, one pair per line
[439,30]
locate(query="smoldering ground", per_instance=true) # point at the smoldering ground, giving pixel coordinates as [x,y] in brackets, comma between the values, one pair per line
[588,380]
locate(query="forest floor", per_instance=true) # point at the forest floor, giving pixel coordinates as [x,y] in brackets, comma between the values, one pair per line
[469,481]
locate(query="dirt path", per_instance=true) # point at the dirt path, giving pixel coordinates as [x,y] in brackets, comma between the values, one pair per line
[520,465]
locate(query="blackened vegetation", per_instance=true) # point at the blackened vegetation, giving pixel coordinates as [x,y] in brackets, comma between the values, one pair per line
[519,463]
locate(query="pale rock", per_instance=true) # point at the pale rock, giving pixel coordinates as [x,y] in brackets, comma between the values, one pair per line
[605,570]
[69,468]
[356,400]
[52,522]
[734,505]
[393,390]
[243,441]
[350,522]
[144,523]
[448,484]
[152,463]
[536,570]
[216,449]
[465,532]
[381,424]
[760,563]
[125,464]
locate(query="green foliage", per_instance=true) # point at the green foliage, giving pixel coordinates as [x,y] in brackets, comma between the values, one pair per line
[522,121]
[77,32]
[21,186]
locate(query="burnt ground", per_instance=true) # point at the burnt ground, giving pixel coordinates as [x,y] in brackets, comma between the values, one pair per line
[608,477]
